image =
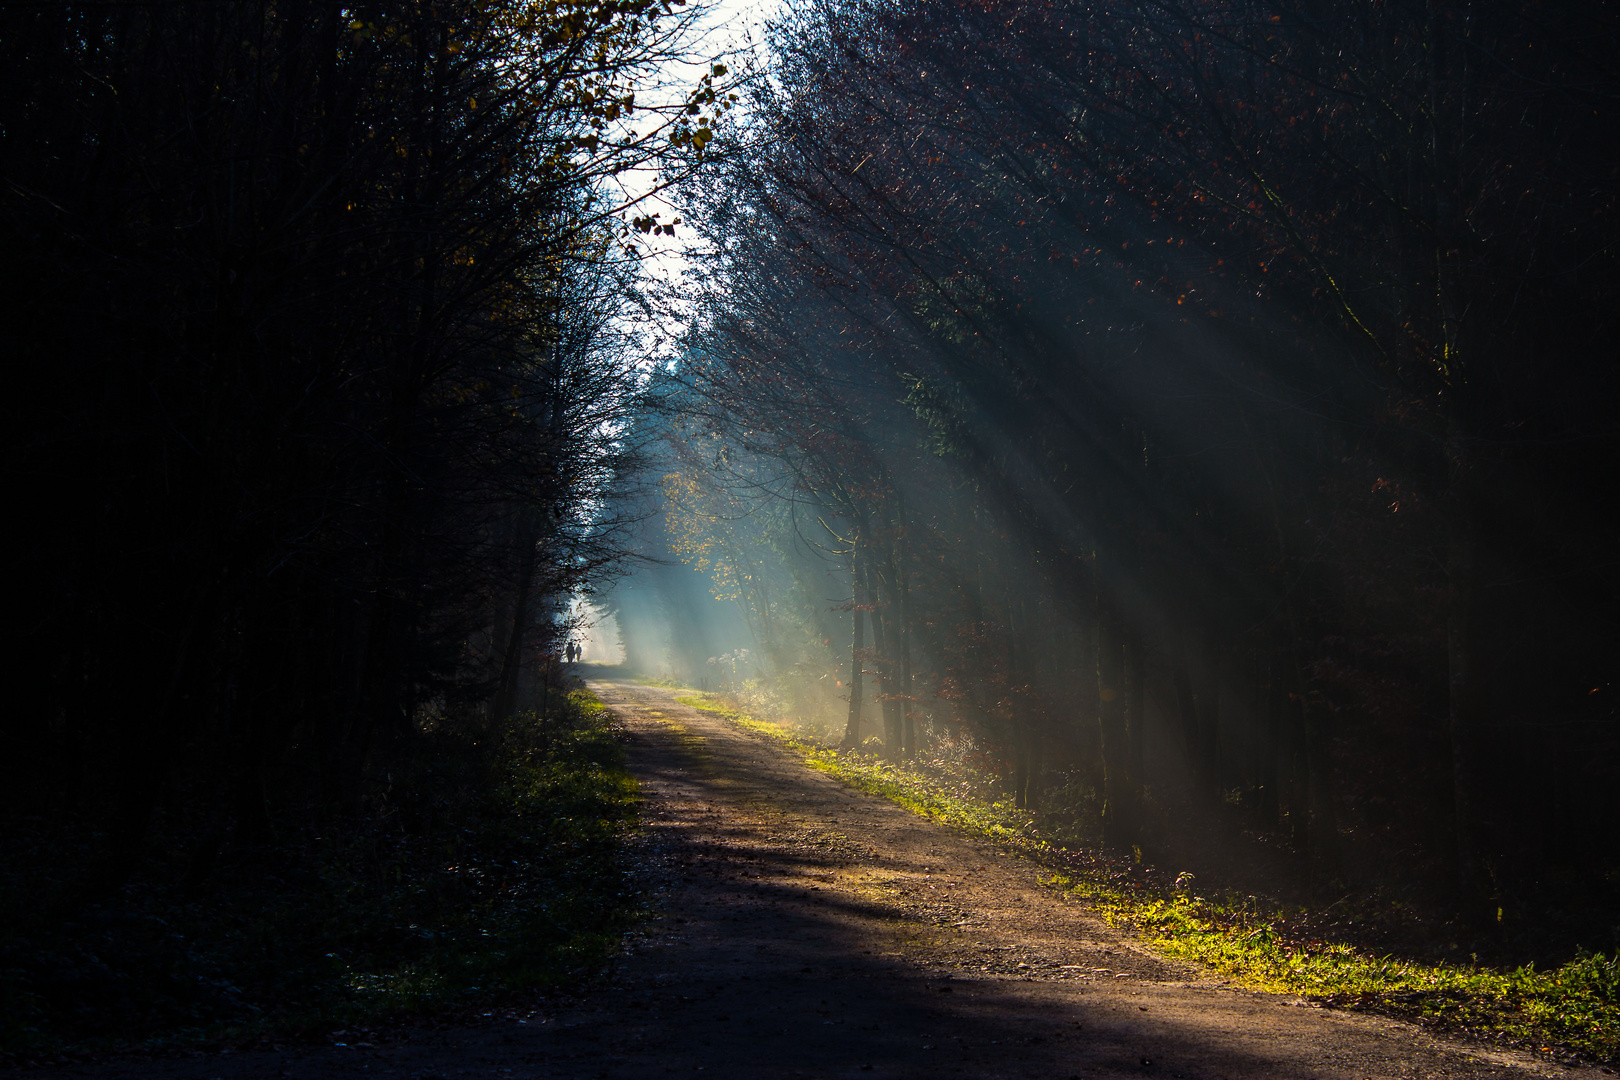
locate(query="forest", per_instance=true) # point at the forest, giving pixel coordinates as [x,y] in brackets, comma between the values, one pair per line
[1190,417]
[1184,410]
[319,368]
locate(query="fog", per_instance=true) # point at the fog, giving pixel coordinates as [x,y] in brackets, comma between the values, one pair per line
[596,632]
[1027,424]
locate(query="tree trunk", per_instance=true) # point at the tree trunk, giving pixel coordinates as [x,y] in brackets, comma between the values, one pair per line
[1187,713]
[857,645]
[1318,759]
[1269,779]
[908,724]
[1135,709]
[893,707]
[1118,816]
[1473,878]
[1087,704]
[882,631]
[1209,728]
[1299,773]
[1025,775]
[512,663]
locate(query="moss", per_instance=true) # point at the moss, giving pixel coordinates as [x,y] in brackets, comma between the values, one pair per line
[1571,1010]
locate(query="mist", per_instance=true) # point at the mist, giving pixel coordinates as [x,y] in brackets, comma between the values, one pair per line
[466,459]
[1117,441]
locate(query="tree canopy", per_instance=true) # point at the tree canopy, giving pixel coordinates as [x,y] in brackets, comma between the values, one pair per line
[1211,398]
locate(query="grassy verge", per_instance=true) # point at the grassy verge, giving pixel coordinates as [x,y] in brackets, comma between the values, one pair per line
[1573,1010]
[481,865]
[667,683]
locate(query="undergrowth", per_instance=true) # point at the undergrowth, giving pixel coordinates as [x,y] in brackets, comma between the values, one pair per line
[1573,1010]
[481,864]
[664,681]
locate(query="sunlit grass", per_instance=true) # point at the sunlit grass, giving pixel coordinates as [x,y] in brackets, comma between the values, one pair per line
[1572,1009]
[663,681]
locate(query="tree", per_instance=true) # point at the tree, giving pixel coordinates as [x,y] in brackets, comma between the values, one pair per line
[317,378]
[1196,342]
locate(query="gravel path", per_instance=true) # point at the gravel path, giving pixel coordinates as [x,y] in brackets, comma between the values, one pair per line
[815,931]
[808,930]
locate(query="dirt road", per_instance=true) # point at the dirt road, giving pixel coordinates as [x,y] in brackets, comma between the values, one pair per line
[807,930]
[816,931]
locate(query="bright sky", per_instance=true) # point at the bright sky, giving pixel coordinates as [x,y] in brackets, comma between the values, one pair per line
[732,20]
[729,28]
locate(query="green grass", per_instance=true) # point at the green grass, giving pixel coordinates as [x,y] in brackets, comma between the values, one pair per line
[1573,1010]
[663,681]
[480,865]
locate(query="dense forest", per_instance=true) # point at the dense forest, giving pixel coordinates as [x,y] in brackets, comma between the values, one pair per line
[319,368]
[316,370]
[1191,411]
[1192,415]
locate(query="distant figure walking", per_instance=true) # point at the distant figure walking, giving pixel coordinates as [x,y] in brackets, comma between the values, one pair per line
[573,652]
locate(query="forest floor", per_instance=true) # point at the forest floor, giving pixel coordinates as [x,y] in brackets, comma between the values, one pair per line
[804,929]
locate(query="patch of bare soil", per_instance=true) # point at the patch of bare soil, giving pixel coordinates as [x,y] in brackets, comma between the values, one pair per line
[808,930]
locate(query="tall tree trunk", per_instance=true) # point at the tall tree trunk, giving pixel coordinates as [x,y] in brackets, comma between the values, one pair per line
[1209,727]
[545,684]
[1199,714]
[1318,760]
[857,645]
[1119,824]
[1462,705]
[1087,703]
[1187,713]
[1448,131]
[883,633]
[1023,735]
[893,707]
[512,663]
[1026,770]
[1269,778]
[908,723]
[1299,772]
[1135,708]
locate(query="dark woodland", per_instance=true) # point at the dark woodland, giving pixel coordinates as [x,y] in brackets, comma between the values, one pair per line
[1198,417]
[1210,401]
[316,355]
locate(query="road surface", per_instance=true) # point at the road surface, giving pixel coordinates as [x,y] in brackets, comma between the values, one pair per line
[805,930]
